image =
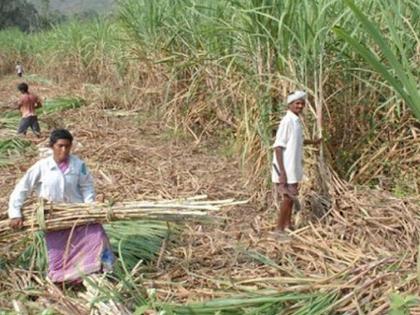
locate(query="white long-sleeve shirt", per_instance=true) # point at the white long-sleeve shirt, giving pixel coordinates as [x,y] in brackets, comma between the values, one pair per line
[45,178]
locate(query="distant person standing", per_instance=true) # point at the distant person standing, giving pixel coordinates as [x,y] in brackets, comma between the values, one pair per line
[19,69]
[288,161]
[27,105]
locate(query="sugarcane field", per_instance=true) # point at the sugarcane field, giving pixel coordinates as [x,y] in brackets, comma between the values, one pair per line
[209,157]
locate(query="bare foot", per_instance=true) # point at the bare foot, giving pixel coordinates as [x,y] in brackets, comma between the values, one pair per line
[280,235]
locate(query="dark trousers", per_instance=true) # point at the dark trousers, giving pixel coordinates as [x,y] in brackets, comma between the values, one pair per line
[26,122]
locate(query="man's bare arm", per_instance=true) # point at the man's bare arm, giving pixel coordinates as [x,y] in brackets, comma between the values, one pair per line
[280,163]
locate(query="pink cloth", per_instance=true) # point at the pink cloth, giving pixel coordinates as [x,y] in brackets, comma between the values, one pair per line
[73,253]
[63,166]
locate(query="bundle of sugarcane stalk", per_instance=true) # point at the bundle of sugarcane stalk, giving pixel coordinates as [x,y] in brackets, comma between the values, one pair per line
[48,216]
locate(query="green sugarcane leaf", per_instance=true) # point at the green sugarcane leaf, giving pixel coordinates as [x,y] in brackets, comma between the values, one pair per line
[371,59]
[408,87]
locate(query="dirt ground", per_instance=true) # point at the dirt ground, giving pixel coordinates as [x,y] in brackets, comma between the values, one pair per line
[351,251]
[133,156]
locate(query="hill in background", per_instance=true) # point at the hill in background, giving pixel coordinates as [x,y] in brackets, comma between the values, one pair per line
[69,7]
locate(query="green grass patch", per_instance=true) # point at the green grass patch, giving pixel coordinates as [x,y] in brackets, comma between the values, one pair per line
[260,303]
[400,304]
[10,120]
[35,78]
[61,104]
[10,149]
[35,253]
[137,240]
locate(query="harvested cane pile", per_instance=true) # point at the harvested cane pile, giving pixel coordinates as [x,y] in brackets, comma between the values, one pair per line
[391,158]
[359,258]
[51,217]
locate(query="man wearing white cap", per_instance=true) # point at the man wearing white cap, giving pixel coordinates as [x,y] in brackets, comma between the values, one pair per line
[287,169]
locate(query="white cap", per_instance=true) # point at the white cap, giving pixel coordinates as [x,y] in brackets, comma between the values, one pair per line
[296,95]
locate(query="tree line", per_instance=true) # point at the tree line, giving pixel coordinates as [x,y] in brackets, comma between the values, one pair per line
[28,18]
[18,13]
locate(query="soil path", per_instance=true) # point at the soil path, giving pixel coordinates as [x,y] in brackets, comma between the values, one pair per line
[133,156]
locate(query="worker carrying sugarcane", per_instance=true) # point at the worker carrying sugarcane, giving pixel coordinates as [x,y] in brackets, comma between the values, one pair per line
[287,167]
[64,178]
[27,104]
[19,69]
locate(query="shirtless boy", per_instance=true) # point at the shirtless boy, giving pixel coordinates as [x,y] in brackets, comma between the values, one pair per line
[27,104]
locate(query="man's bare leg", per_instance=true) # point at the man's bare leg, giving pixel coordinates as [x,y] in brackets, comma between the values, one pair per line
[285,214]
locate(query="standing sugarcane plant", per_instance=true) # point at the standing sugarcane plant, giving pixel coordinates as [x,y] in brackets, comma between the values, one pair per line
[393,64]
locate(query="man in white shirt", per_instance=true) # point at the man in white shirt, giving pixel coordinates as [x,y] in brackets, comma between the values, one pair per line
[19,69]
[287,168]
